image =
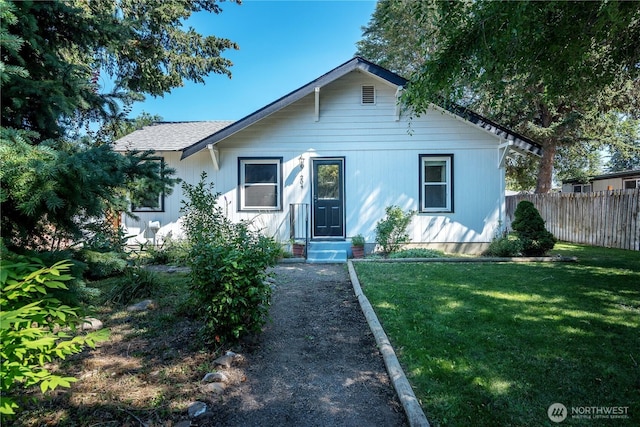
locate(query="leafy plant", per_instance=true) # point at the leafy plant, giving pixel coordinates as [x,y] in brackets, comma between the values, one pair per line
[505,246]
[34,327]
[103,264]
[357,240]
[135,283]
[228,266]
[172,251]
[530,229]
[391,232]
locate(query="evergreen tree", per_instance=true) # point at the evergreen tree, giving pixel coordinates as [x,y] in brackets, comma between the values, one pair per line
[58,177]
[66,47]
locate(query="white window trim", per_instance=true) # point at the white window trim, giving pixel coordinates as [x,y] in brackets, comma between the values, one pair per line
[241,183]
[584,188]
[448,159]
[636,180]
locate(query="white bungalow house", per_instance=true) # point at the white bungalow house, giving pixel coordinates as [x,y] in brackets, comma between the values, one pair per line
[321,164]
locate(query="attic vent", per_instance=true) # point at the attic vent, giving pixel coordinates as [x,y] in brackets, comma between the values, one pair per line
[368,94]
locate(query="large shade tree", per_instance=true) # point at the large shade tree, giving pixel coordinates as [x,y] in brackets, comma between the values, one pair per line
[59,173]
[555,71]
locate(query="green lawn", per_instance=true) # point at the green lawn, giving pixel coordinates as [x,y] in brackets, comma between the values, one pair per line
[496,344]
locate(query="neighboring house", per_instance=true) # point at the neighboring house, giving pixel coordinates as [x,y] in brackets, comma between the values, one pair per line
[626,180]
[341,149]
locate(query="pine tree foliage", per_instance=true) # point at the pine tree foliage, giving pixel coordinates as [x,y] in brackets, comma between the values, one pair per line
[59,175]
[141,45]
[49,191]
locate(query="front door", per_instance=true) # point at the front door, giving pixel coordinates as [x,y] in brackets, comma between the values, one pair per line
[328,198]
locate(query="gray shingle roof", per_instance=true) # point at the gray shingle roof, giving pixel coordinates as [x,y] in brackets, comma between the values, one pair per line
[169,136]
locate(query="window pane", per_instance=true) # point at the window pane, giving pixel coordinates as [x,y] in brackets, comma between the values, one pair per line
[260,173]
[630,185]
[435,196]
[328,182]
[435,171]
[261,196]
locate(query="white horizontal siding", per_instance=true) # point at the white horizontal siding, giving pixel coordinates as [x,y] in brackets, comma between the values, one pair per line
[381,163]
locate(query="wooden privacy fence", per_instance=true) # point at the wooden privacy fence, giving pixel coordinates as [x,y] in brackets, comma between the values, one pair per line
[605,218]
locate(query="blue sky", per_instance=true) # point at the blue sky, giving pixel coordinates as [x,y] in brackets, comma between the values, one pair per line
[283,45]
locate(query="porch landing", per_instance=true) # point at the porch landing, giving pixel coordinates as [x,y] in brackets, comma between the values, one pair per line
[328,251]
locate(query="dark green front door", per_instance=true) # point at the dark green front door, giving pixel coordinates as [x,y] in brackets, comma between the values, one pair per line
[328,198]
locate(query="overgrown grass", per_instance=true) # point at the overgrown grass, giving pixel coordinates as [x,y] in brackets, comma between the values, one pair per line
[496,344]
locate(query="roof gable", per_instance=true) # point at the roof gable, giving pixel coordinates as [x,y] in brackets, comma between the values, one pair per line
[356,63]
[517,141]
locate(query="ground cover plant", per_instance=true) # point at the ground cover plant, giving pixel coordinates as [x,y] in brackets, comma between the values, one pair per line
[498,343]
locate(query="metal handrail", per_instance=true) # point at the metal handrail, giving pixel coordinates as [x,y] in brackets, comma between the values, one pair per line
[299,223]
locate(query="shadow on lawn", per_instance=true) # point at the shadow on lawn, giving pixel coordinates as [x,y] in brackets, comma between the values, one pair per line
[496,344]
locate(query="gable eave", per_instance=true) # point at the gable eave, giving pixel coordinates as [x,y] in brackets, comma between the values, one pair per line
[516,141]
[356,63]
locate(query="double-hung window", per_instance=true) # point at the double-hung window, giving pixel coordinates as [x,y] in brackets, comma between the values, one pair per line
[147,195]
[630,184]
[260,183]
[436,183]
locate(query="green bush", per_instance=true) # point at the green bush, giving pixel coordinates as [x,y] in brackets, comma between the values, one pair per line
[505,246]
[135,283]
[171,251]
[228,266]
[34,327]
[417,253]
[529,227]
[101,265]
[391,232]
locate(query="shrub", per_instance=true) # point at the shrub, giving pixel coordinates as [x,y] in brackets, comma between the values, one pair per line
[529,227]
[417,253]
[101,265]
[391,232]
[505,246]
[357,240]
[30,315]
[171,251]
[135,283]
[228,266]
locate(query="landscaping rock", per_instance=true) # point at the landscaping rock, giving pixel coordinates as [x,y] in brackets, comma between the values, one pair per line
[215,377]
[216,388]
[91,324]
[196,409]
[230,358]
[142,306]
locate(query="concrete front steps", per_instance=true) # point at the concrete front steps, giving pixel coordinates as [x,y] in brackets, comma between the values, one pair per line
[328,251]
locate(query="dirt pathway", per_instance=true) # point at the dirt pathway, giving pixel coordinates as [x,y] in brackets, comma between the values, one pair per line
[316,364]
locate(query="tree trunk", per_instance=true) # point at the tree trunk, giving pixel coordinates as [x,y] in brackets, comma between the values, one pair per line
[545,170]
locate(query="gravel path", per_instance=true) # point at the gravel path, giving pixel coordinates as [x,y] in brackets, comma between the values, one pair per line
[316,363]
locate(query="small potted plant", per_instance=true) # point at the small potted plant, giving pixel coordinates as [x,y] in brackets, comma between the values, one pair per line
[297,248]
[357,246]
